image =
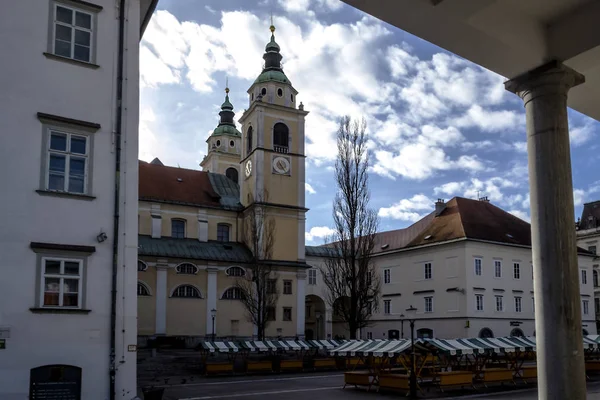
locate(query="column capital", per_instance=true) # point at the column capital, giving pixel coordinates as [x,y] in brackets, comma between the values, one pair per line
[212,269]
[553,77]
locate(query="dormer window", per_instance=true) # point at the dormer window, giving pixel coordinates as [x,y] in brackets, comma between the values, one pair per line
[281,139]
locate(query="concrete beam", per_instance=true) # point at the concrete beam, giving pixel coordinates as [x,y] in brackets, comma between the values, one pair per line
[575,33]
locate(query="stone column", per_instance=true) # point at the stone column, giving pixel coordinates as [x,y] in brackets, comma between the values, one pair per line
[300,304]
[328,323]
[211,299]
[561,372]
[161,297]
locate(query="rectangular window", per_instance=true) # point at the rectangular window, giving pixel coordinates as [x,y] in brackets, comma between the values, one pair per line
[499,303]
[518,307]
[61,283]
[312,276]
[272,286]
[386,276]
[583,277]
[428,304]
[479,302]
[271,314]
[287,313]
[178,228]
[597,304]
[478,266]
[369,335]
[369,278]
[223,232]
[592,249]
[586,307]
[428,272]
[73,32]
[67,162]
[497,269]
[517,271]
[287,287]
[387,306]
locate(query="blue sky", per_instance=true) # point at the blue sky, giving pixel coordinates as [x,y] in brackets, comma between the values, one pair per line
[440,126]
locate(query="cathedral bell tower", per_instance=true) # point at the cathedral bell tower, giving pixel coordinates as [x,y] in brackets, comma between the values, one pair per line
[224,145]
[272,161]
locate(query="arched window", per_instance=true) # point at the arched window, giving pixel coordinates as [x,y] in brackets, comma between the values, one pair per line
[143,289]
[281,137]
[223,232]
[186,269]
[142,266]
[280,92]
[235,271]
[486,333]
[232,174]
[424,333]
[263,91]
[595,277]
[187,291]
[249,141]
[517,332]
[233,293]
[178,228]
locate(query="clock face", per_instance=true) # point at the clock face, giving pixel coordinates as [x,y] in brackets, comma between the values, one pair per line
[248,168]
[281,165]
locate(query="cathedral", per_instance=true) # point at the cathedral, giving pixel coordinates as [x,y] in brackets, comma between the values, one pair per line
[191,244]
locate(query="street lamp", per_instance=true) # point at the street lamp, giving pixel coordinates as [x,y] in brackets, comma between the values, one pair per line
[318,317]
[213,314]
[411,311]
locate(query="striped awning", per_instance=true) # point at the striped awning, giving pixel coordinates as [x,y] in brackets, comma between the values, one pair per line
[220,346]
[362,347]
[323,344]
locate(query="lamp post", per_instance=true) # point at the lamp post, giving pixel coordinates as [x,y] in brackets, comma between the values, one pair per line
[318,317]
[213,314]
[411,311]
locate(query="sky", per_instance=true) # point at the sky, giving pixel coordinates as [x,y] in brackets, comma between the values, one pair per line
[439,126]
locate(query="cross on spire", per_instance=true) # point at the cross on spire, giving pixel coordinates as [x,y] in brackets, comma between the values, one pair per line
[227,84]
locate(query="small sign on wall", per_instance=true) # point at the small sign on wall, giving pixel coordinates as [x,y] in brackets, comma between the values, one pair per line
[132,348]
[55,382]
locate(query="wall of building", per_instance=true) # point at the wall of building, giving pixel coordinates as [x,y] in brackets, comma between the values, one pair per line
[32,83]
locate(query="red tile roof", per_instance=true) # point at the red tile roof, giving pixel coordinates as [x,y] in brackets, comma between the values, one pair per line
[178,185]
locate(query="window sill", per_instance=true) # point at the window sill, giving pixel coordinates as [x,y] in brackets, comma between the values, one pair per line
[47,310]
[65,194]
[71,61]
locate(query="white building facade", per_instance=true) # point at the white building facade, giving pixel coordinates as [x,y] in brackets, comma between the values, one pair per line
[67,310]
[462,284]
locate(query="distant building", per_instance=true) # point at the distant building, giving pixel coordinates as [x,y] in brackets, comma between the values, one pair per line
[588,237]
[59,145]
[467,269]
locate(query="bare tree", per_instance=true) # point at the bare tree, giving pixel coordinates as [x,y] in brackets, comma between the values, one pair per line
[349,275]
[259,292]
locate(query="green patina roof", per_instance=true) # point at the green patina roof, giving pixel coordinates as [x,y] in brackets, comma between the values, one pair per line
[228,190]
[272,45]
[226,104]
[273,75]
[226,130]
[193,249]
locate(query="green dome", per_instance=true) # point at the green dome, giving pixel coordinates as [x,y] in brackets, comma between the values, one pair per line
[226,104]
[226,130]
[273,76]
[272,45]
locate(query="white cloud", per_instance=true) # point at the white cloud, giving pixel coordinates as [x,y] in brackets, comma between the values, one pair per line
[408,209]
[153,71]
[476,188]
[309,188]
[581,134]
[400,61]
[318,232]
[295,5]
[332,5]
[210,9]
[579,196]
[490,121]
[520,214]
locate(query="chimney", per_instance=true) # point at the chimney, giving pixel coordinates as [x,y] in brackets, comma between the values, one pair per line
[156,221]
[202,226]
[439,206]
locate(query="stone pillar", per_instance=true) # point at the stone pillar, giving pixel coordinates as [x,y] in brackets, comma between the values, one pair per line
[161,297]
[300,304]
[211,299]
[561,372]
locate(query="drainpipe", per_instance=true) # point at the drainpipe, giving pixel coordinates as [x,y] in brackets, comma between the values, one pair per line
[118,128]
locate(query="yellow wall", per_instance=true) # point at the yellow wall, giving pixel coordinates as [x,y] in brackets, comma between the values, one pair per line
[186,316]
[147,304]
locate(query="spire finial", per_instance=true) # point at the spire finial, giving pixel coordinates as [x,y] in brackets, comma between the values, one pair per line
[272,27]
[227,84]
